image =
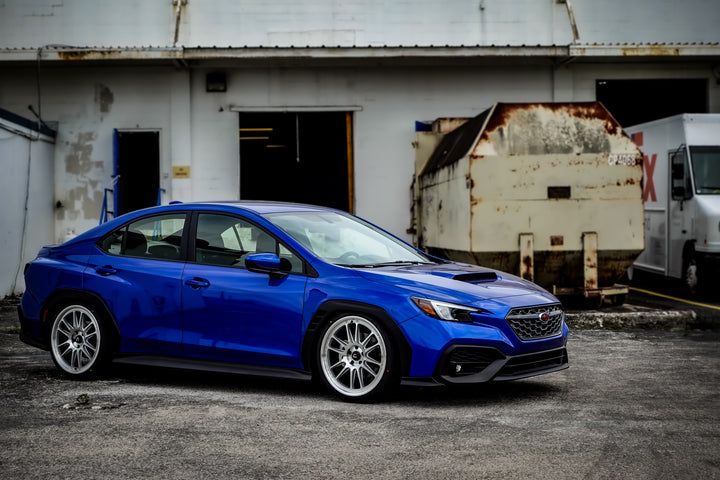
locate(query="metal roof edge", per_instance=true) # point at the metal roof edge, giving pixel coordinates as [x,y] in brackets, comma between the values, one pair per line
[75,53]
[698,49]
[340,52]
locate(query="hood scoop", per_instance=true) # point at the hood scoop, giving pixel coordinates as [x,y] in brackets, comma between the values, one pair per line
[476,277]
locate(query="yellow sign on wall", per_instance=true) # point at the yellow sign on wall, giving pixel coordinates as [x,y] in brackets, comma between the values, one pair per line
[182,171]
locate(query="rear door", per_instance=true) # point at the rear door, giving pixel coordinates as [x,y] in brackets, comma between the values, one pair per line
[232,314]
[137,270]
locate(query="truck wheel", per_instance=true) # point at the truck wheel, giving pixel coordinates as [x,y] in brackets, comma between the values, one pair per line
[690,274]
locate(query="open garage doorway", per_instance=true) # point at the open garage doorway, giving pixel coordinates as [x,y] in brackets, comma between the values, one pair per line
[137,170]
[637,101]
[301,157]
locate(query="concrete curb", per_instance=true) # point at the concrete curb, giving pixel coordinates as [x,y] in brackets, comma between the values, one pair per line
[637,318]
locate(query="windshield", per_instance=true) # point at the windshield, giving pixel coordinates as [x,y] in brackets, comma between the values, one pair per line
[346,240]
[706,168]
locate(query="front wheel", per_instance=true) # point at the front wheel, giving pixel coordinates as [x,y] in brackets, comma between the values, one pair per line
[690,275]
[77,341]
[356,358]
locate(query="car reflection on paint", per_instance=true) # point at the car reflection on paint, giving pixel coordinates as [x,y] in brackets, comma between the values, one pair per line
[283,290]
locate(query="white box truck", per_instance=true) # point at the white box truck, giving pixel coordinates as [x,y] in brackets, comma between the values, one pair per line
[681,194]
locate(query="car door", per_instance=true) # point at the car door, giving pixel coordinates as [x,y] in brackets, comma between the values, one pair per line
[231,313]
[137,270]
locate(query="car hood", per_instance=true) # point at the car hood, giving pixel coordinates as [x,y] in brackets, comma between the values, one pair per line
[456,282]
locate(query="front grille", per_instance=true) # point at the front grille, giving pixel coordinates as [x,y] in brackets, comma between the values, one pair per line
[470,360]
[534,362]
[533,323]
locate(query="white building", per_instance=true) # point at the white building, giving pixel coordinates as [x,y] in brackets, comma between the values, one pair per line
[316,100]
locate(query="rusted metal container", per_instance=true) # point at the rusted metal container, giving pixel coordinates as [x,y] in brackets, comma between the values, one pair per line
[549,191]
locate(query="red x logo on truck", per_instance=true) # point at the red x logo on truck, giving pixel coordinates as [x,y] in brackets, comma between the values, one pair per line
[648,167]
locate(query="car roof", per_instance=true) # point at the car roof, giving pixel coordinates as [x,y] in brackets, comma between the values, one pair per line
[257,207]
[260,207]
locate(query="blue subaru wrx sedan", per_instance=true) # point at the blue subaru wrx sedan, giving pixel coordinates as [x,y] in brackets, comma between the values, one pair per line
[285,290]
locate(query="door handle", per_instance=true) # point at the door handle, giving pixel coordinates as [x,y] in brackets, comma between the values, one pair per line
[106,270]
[197,282]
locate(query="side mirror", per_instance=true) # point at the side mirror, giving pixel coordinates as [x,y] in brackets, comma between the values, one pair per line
[681,189]
[265,263]
[678,193]
[678,169]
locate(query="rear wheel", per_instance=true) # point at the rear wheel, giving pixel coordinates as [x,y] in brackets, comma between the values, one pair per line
[78,341]
[356,358]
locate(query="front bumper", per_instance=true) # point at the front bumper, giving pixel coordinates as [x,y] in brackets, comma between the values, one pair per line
[472,364]
[465,364]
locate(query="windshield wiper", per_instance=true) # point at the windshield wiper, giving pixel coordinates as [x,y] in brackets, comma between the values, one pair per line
[395,263]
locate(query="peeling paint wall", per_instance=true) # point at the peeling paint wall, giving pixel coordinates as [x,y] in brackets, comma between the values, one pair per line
[88,104]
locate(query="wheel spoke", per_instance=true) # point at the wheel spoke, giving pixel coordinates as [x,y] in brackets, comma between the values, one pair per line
[65,333]
[74,361]
[77,319]
[345,369]
[342,343]
[368,340]
[369,370]
[359,375]
[373,361]
[350,338]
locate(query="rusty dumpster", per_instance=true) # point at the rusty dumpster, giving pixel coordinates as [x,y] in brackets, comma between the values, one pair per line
[548,191]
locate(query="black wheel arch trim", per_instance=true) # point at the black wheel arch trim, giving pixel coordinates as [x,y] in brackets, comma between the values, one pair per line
[63,295]
[333,308]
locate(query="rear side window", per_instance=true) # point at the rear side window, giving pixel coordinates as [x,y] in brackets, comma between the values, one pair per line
[158,237]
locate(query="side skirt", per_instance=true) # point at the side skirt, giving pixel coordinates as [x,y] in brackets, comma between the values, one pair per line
[213,366]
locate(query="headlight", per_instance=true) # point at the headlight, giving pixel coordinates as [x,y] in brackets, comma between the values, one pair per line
[444,310]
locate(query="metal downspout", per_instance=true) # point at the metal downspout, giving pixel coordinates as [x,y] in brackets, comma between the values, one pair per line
[179,4]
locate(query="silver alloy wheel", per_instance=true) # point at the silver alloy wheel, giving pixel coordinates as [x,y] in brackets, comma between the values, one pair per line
[75,339]
[353,356]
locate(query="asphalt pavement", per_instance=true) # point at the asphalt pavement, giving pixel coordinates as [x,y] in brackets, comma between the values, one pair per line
[635,403]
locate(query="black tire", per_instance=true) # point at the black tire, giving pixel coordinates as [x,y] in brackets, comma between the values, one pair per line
[79,340]
[690,274]
[356,359]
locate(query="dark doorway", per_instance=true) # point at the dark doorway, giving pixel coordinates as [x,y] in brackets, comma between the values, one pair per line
[638,101]
[137,170]
[301,157]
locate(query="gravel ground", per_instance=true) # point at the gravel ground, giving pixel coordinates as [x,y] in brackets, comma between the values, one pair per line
[639,404]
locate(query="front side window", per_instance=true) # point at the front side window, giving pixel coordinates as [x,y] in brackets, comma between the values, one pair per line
[158,237]
[706,167]
[227,240]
